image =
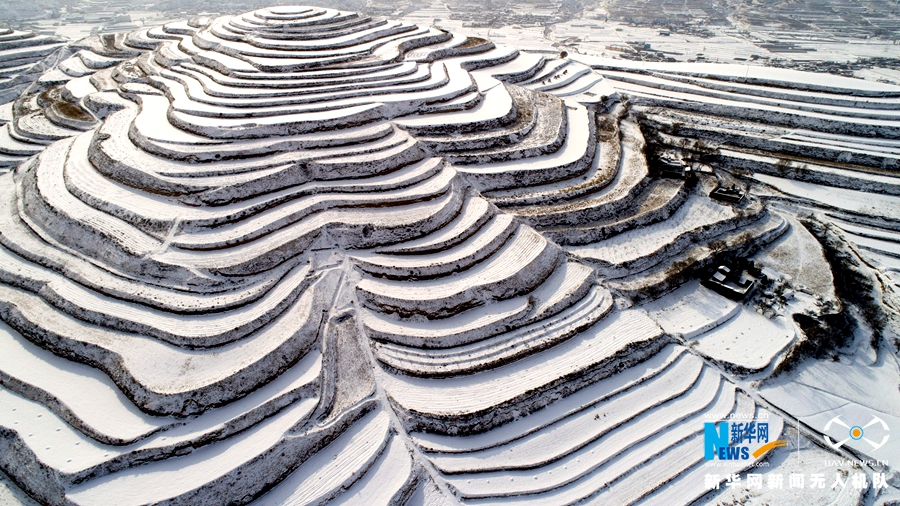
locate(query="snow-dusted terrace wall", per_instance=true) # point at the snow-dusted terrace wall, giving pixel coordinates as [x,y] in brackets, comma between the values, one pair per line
[24,56]
[302,254]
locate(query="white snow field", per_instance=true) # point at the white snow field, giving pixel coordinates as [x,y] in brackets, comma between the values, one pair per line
[306,256]
[722,330]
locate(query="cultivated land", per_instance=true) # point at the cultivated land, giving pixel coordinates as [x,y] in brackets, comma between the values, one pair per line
[303,255]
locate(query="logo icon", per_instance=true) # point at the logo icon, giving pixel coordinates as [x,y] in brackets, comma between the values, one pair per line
[857,432]
[733,440]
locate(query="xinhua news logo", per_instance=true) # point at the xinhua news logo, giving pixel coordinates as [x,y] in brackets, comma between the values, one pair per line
[737,440]
[876,433]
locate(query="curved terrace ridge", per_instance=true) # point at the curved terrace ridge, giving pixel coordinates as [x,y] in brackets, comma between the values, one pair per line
[302,255]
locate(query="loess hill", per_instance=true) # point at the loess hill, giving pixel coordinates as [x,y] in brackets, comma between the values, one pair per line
[303,255]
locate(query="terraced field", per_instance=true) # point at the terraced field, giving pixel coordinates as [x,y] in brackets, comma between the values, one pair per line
[301,255]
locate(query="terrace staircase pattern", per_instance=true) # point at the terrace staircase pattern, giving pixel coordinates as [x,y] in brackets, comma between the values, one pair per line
[24,57]
[301,255]
[841,133]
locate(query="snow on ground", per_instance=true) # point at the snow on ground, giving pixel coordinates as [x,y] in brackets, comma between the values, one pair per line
[889,265]
[880,248]
[519,374]
[749,340]
[496,386]
[106,410]
[634,244]
[691,310]
[11,495]
[785,77]
[522,37]
[594,34]
[849,200]
[798,254]
[819,390]
[850,375]
[875,74]
[721,329]
[816,408]
[889,248]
